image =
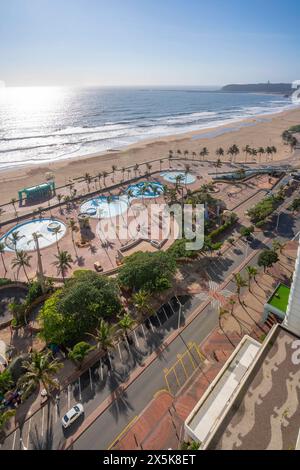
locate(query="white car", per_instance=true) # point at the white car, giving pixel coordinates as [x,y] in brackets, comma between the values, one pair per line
[71,416]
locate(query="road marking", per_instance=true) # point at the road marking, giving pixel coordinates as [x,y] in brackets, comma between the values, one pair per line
[120,353]
[29,426]
[158,319]
[137,342]
[101,369]
[152,327]
[69,396]
[79,385]
[91,380]
[181,362]
[122,432]
[43,416]
[108,355]
[14,440]
[55,413]
[165,312]
[143,331]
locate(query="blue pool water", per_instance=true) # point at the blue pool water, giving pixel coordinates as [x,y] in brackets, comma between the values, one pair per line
[25,231]
[170,176]
[98,207]
[146,189]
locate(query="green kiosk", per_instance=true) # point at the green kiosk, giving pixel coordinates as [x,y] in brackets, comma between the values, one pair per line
[37,193]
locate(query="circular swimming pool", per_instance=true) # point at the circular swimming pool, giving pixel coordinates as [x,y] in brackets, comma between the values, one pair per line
[145,189]
[24,240]
[186,178]
[104,207]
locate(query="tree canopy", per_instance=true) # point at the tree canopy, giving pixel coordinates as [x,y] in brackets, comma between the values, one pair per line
[78,306]
[150,271]
[267,258]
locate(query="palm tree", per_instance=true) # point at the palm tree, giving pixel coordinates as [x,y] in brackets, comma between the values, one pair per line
[135,169]
[253,153]
[186,152]
[40,271]
[59,198]
[2,251]
[99,176]
[13,202]
[252,272]
[56,231]
[247,151]
[232,303]
[277,246]
[88,179]
[261,152]
[204,153]
[22,260]
[222,312]
[274,149]
[114,169]
[269,151]
[104,175]
[141,301]
[123,169]
[14,238]
[194,155]
[160,164]
[63,263]
[230,152]
[2,211]
[126,322]
[148,168]
[40,369]
[239,282]
[220,152]
[104,335]
[73,227]
[218,164]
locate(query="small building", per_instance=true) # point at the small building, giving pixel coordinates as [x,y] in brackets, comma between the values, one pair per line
[37,193]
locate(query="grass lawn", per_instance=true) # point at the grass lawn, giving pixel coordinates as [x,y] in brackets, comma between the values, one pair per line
[280,298]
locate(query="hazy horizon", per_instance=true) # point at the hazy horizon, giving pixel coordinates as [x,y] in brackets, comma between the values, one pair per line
[152,44]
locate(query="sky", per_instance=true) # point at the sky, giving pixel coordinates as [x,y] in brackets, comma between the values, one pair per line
[148,42]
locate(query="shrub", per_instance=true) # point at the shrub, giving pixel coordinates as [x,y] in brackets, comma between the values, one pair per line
[147,270]
[4,281]
[77,308]
[34,291]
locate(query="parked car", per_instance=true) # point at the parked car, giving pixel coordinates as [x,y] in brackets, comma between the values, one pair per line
[73,414]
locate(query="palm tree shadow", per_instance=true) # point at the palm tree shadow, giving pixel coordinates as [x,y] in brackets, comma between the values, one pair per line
[79,260]
[39,442]
[135,354]
[154,342]
[120,404]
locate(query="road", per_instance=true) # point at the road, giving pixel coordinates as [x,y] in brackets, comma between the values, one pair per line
[44,430]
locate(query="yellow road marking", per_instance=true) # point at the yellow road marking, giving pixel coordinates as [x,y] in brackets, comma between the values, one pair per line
[176,376]
[123,432]
[183,366]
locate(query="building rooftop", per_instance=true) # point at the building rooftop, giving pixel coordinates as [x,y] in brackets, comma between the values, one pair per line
[265,413]
[206,415]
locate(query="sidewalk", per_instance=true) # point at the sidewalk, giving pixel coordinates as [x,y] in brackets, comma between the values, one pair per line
[161,424]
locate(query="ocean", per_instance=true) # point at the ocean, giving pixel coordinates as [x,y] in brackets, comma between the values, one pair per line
[44,124]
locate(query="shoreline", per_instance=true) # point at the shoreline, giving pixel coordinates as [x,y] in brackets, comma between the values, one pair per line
[259,130]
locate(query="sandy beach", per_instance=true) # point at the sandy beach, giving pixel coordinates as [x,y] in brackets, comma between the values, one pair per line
[259,131]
